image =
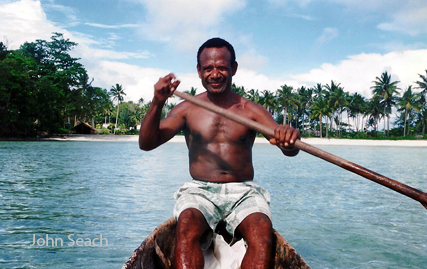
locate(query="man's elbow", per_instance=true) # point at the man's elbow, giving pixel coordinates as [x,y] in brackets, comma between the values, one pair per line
[143,145]
[290,152]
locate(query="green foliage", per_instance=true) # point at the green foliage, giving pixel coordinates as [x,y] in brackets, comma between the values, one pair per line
[238,90]
[111,128]
[132,132]
[103,131]
[43,88]
[130,115]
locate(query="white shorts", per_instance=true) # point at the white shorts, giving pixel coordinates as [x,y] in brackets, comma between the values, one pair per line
[230,202]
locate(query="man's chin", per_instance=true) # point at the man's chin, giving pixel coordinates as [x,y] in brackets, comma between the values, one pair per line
[216,90]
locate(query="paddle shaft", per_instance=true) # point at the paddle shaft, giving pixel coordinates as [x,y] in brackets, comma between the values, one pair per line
[362,171]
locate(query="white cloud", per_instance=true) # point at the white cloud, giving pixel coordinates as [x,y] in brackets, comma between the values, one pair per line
[251,59]
[104,26]
[410,19]
[357,73]
[66,11]
[405,16]
[24,21]
[328,34]
[301,3]
[184,22]
[85,52]
[250,79]
[138,82]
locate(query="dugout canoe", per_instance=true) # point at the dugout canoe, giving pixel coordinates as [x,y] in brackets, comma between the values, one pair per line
[157,251]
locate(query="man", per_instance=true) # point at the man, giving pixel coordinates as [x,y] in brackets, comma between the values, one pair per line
[220,156]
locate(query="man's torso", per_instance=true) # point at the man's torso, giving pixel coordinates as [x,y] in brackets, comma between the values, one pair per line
[220,150]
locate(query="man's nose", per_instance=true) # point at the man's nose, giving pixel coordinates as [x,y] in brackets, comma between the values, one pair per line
[215,73]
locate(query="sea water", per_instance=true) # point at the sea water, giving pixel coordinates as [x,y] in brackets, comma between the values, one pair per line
[90,204]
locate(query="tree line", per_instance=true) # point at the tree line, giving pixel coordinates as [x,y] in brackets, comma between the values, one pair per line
[43,91]
[328,110]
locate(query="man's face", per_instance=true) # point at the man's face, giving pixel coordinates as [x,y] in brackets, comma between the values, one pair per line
[215,69]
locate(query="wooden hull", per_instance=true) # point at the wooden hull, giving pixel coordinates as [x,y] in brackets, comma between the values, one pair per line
[157,251]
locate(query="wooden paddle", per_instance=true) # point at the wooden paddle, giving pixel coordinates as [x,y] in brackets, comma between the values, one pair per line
[364,172]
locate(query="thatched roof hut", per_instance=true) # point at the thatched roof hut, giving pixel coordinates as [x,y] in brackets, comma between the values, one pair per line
[84,128]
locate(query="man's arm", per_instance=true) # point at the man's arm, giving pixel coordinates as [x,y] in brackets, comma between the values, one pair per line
[154,132]
[284,135]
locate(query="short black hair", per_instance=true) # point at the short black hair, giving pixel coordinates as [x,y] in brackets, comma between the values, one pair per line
[217,42]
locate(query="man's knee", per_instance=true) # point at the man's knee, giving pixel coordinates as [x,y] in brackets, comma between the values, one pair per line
[257,228]
[191,224]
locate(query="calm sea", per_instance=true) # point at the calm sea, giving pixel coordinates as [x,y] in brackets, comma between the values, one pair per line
[113,193]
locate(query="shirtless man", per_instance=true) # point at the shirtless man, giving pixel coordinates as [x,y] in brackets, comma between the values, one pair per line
[220,157]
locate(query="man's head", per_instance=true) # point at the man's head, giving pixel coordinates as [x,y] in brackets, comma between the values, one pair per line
[217,42]
[216,65]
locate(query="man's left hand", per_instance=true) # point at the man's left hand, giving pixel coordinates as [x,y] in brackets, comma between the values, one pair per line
[285,137]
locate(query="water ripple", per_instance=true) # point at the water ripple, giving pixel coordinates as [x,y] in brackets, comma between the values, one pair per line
[334,219]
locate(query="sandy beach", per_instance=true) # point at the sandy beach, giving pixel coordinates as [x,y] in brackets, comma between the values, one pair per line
[311,141]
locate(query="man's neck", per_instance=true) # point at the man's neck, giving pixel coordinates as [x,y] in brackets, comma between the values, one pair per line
[224,99]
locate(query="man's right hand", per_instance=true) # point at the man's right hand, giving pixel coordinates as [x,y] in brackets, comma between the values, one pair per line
[165,87]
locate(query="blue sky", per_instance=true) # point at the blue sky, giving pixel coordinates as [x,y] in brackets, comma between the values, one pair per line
[277,42]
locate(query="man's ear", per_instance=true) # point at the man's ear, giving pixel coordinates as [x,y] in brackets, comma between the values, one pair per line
[199,72]
[234,68]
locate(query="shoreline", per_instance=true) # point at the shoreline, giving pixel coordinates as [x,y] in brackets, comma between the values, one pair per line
[258,140]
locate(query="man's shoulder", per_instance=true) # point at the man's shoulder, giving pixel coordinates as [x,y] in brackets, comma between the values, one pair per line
[185,106]
[248,104]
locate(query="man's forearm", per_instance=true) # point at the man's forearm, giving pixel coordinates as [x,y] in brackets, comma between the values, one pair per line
[149,135]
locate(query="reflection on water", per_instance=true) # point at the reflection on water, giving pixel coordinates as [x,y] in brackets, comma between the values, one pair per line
[334,219]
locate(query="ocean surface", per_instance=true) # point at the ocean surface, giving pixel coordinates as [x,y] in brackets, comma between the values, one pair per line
[60,200]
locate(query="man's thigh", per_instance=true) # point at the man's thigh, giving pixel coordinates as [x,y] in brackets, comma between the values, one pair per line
[256,228]
[195,196]
[256,200]
[192,225]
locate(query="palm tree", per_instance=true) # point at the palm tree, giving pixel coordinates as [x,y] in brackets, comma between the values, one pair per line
[192,91]
[253,95]
[318,90]
[326,93]
[117,92]
[338,101]
[423,86]
[423,100]
[387,90]
[356,107]
[305,101]
[422,118]
[408,102]
[286,99]
[319,109]
[268,101]
[239,90]
[374,111]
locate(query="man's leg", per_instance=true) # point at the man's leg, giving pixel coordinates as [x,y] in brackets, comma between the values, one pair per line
[191,226]
[257,230]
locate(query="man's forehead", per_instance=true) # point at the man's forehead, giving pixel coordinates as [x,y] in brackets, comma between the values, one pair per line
[215,53]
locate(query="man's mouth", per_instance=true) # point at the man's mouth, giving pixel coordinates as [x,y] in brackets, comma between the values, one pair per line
[215,83]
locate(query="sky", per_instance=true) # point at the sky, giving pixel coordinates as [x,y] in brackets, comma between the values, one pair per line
[294,42]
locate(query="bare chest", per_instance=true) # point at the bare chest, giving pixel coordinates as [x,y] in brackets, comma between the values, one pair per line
[206,126]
